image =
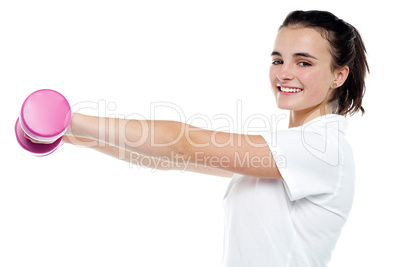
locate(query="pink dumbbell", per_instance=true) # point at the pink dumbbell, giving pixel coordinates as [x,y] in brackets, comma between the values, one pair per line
[45,116]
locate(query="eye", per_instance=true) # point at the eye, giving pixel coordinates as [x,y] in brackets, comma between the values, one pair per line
[277,62]
[304,64]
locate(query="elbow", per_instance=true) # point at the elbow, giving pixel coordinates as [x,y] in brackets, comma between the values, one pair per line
[182,149]
[176,143]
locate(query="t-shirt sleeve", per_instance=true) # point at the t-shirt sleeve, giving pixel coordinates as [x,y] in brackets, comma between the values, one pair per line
[308,161]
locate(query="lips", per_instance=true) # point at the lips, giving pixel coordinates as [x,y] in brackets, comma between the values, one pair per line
[289,89]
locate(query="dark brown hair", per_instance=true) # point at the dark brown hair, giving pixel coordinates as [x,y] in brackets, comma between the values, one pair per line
[347,48]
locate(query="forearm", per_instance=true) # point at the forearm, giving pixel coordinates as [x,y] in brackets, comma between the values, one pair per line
[113,151]
[151,138]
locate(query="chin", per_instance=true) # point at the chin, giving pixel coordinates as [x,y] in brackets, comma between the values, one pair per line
[297,104]
[287,106]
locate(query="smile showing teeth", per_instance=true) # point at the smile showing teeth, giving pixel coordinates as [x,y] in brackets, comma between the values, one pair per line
[289,90]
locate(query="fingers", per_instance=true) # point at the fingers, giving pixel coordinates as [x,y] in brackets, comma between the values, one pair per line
[34,140]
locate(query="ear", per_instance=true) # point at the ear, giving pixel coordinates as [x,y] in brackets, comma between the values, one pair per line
[341,75]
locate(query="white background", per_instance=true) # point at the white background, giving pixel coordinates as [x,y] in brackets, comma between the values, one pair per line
[77,207]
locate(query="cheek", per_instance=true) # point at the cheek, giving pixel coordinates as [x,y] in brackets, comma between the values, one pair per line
[317,84]
[272,74]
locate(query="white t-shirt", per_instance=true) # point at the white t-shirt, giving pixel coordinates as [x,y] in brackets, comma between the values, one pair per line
[295,221]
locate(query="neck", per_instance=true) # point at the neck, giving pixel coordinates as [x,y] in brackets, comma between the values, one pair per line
[300,117]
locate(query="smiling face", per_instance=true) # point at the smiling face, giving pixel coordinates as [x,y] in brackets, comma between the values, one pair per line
[301,74]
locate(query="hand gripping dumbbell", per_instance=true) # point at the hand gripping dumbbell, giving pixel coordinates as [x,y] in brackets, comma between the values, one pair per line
[44,117]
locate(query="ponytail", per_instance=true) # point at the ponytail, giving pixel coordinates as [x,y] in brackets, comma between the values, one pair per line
[349,97]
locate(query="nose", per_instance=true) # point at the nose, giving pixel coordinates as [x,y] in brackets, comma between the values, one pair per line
[285,73]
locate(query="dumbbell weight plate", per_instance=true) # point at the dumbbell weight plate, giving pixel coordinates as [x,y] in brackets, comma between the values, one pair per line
[35,148]
[45,116]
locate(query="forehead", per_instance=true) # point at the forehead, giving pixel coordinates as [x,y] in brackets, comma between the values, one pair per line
[306,40]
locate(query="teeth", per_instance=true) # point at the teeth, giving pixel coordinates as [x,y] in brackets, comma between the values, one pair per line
[290,90]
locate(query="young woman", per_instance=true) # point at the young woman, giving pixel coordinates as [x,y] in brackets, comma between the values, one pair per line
[291,190]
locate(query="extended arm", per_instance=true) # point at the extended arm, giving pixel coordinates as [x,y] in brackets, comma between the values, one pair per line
[176,141]
[141,160]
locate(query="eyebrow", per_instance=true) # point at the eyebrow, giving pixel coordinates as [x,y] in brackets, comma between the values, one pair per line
[300,54]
